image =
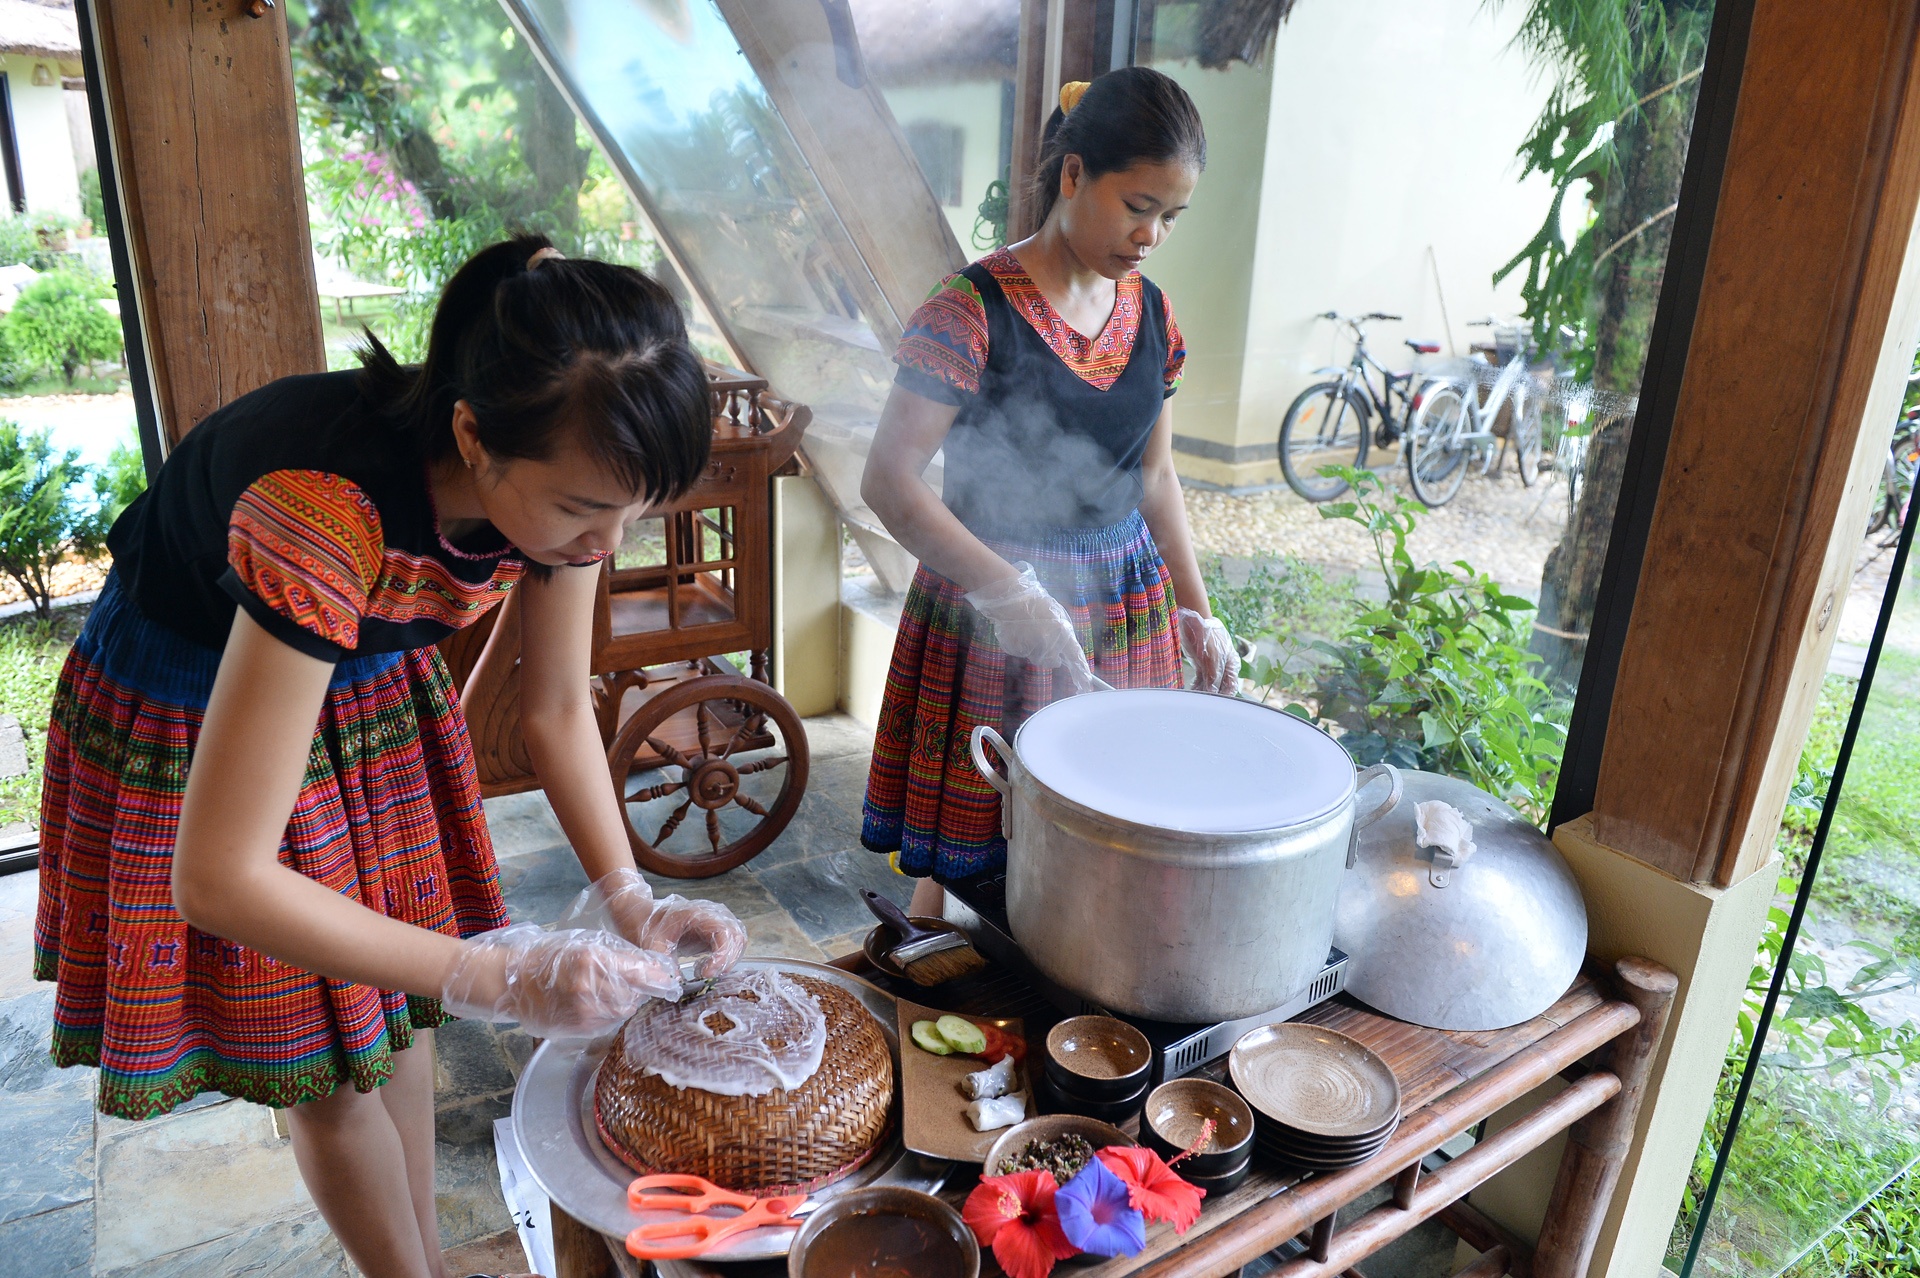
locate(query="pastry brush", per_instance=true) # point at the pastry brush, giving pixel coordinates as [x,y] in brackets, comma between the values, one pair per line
[925,955]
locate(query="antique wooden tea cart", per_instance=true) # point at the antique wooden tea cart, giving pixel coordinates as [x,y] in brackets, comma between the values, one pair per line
[684,728]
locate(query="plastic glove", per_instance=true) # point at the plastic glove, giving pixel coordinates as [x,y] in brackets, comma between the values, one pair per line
[622,903]
[1205,642]
[1031,624]
[573,984]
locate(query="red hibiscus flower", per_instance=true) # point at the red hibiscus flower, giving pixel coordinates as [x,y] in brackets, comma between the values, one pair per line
[1153,1189]
[1014,1214]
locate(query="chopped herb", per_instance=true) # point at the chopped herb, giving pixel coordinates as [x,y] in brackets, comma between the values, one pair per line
[1063,1156]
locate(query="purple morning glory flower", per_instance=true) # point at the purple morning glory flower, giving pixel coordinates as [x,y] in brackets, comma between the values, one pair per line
[1095,1215]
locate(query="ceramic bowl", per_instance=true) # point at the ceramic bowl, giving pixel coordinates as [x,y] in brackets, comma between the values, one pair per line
[1050,1127]
[1219,1186]
[1098,1058]
[937,1226]
[1172,1118]
[1051,1100]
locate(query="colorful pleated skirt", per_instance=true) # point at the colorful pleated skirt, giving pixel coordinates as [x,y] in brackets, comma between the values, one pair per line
[925,799]
[388,815]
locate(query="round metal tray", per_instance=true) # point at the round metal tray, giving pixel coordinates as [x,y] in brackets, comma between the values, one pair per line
[553,1121]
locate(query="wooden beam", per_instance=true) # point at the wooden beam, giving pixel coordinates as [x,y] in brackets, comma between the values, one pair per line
[1805,326]
[206,150]
[807,56]
[1056,45]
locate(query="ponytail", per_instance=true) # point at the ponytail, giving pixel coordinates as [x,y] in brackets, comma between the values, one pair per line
[1129,116]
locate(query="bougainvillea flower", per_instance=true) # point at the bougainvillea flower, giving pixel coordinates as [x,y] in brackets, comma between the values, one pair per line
[1095,1214]
[1153,1188]
[1015,1215]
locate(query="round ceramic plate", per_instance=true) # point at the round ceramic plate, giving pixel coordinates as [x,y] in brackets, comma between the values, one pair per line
[1295,1149]
[1315,1079]
[553,1121]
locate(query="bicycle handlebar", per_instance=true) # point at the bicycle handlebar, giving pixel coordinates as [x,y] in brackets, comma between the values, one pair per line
[1359,319]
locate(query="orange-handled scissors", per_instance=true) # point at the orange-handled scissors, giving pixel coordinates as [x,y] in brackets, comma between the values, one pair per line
[695,1195]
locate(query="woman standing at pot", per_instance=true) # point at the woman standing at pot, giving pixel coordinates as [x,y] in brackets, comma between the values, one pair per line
[1059,546]
[261,839]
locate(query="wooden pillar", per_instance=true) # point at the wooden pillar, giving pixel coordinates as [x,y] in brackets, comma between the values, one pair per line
[1057,44]
[206,149]
[1805,327]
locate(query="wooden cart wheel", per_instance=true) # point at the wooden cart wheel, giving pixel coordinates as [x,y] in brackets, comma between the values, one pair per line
[729,715]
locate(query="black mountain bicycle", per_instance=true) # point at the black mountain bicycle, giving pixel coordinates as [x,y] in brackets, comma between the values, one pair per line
[1331,423]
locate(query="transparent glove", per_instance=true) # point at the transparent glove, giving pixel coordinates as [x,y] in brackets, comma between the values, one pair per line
[1205,642]
[1031,624]
[572,984]
[622,903]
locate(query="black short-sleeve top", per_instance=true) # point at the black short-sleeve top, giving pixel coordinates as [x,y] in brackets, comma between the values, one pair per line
[300,504]
[1053,424]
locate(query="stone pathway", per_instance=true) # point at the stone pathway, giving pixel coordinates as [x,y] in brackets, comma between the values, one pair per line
[211,1191]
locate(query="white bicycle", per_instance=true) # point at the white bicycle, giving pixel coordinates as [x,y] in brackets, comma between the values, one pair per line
[1453,429]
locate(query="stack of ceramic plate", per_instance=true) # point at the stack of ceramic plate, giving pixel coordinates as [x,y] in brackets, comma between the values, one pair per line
[1321,1100]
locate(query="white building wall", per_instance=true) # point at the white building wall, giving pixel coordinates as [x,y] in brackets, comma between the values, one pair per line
[975,107]
[1389,176]
[43,136]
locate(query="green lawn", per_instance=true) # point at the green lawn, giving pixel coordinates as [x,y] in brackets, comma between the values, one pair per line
[31,651]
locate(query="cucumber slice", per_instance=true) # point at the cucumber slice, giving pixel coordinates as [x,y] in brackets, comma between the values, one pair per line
[962,1035]
[927,1035]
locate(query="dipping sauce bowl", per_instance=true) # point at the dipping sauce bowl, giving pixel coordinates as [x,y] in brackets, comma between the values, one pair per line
[884,1231]
[1176,1111]
[1098,1058]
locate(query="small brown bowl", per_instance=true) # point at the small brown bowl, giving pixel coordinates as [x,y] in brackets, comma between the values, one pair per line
[1050,1127]
[1098,1058]
[928,1236]
[1174,1114]
[1051,1100]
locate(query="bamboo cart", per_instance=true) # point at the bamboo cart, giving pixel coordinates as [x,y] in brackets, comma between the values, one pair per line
[692,584]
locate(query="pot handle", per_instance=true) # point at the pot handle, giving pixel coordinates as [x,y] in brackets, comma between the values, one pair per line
[1392,801]
[983,733]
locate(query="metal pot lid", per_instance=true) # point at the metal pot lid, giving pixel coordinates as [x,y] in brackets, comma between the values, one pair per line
[1483,928]
[1185,760]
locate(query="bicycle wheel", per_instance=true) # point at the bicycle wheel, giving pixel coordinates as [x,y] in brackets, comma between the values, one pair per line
[1526,445]
[1326,425]
[1437,457]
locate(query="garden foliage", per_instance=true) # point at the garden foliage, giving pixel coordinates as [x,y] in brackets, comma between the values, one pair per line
[57,322]
[44,513]
[1436,675]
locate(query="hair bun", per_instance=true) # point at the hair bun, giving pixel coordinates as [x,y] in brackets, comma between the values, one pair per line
[1071,92]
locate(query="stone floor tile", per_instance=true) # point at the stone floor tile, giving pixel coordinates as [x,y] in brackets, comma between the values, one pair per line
[846,943]
[298,1247]
[26,1024]
[737,889]
[522,823]
[466,1177]
[174,1183]
[499,1253]
[52,1244]
[842,781]
[776,935]
[540,885]
[516,1048]
[46,1149]
[19,897]
[468,1063]
[822,893]
[830,736]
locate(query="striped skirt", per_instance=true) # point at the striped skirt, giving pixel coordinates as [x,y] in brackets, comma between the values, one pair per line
[388,815]
[925,799]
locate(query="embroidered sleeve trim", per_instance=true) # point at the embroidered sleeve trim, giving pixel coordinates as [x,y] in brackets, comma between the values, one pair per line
[1176,348]
[308,544]
[947,337]
[420,588]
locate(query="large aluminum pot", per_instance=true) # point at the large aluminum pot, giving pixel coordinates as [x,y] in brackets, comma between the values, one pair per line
[1476,928]
[1173,855]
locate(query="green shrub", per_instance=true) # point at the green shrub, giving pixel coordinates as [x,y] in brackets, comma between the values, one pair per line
[1281,606]
[93,206]
[42,519]
[122,479]
[17,240]
[14,372]
[57,322]
[1437,675]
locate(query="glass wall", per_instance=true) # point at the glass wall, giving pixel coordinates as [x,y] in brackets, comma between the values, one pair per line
[1833,1114]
